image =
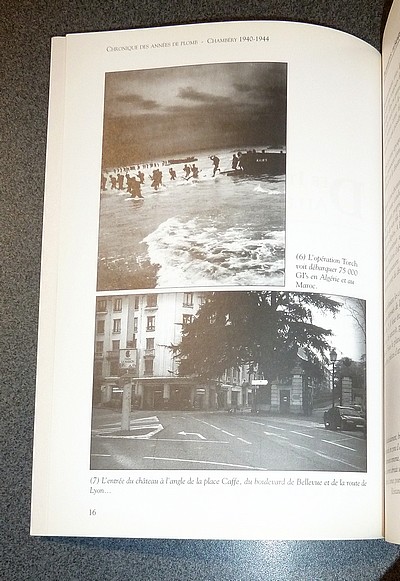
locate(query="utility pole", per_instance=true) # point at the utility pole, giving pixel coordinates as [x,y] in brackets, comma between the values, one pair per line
[333,358]
[126,405]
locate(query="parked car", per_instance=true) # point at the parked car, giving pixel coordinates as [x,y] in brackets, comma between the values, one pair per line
[358,408]
[344,418]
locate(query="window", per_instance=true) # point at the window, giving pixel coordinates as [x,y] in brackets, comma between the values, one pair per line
[100,326]
[151,323]
[150,343]
[187,319]
[101,306]
[135,325]
[115,345]
[99,347]
[137,302]
[148,366]
[118,305]
[151,300]
[116,325]
[188,299]
[202,299]
[114,368]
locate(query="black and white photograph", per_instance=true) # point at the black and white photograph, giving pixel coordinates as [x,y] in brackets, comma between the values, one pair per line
[193,177]
[224,380]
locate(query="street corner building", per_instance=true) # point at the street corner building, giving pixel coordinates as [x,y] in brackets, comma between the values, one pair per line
[134,339]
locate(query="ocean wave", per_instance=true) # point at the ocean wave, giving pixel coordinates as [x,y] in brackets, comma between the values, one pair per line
[198,252]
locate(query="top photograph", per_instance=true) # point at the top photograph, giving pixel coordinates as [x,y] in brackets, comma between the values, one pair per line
[192,187]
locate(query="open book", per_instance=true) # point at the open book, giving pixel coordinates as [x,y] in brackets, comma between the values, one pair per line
[212,343]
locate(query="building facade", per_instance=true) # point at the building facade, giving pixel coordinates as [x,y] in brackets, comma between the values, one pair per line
[134,336]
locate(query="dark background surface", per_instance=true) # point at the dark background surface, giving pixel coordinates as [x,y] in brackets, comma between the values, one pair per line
[25,31]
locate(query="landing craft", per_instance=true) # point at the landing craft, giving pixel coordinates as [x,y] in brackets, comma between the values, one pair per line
[183,160]
[260,162]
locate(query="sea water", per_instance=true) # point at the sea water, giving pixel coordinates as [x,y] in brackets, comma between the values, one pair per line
[211,231]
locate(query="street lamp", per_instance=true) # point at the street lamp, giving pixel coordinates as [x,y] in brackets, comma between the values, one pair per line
[333,358]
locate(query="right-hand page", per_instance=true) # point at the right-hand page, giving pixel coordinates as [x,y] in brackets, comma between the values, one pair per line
[283,252]
[391,143]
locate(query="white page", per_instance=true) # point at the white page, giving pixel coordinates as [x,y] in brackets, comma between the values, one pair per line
[49,282]
[391,85]
[333,207]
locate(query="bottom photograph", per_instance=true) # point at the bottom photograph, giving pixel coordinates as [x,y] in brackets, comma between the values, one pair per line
[229,380]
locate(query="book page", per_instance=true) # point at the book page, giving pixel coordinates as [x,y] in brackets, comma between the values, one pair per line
[216,322]
[391,88]
[49,283]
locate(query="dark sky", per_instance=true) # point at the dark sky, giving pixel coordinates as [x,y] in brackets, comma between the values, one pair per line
[159,113]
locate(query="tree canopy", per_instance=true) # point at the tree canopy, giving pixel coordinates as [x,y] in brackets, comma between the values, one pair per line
[263,329]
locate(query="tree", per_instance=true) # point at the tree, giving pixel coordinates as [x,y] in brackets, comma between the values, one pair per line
[358,312]
[356,370]
[263,329]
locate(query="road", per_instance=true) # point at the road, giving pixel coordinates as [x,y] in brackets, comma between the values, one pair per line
[217,440]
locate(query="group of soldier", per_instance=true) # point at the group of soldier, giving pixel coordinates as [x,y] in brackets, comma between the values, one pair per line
[121,179]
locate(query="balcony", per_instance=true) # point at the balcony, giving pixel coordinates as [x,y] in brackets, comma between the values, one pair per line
[113,355]
[98,356]
[149,353]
